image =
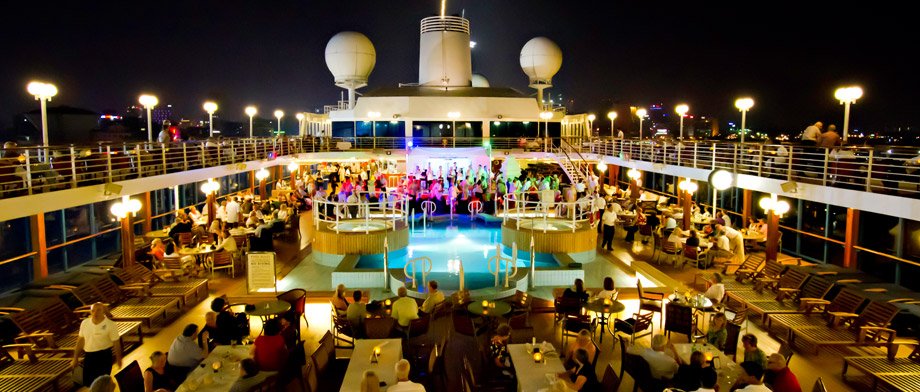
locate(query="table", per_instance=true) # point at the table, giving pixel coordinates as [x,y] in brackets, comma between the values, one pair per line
[727,369]
[205,379]
[501,308]
[706,303]
[200,252]
[531,376]
[750,235]
[385,368]
[603,310]
[266,309]
[243,231]
[683,240]
[157,234]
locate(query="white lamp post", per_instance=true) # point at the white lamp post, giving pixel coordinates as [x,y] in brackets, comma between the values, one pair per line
[299,117]
[124,210]
[612,116]
[744,104]
[251,112]
[847,96]
[210,107]
[546,116]
[682,110]
[591,118]
[641,113]
[279,114]
[43,92]
[148,101]
[720,181]
[210,189]
[261,175]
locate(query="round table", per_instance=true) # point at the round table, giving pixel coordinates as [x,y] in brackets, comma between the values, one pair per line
[200,252]
[500,309]
[269,308]
[706,303]
[749,235]
[157,234]
[603,310]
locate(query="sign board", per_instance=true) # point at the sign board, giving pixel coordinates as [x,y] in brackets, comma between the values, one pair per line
[260,272]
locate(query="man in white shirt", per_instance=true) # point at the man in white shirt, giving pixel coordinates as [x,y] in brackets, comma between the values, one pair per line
[222,211]
[402,379]
[233,213]
[98,338]
[609,221]
[708,381]
[620,134]
[751,374]
[405,309]
[163,137]
[663,365]
[435,297]
[811,134]
[735,241]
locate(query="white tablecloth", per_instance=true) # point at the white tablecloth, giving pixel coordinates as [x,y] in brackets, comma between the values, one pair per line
[727,369]
[531,376]
[390,353]
[204,379]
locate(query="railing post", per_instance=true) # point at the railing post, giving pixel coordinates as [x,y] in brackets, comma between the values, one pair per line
[869,175]
[28,164]
[108,162]
[140,166]
[760,162]
[218,155]
[73,167]
[163,155]
[789,168]
[184,157]
[695,152]
[735,156]
[826,157]
[713,156]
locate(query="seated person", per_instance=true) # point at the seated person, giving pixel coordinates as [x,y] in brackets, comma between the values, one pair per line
[582,342]
[228,325]
[708,382]
[717,333]
[269,350]
[185,353]
[661,357]
[403,384]
[405,309]
[751,352]
[250,377]
[498,348]
[157,250]
[750,378]
[778,376]
[577,292]
[609,291]
[227,242]
[289,330]
[339,303]
[581,377]
[356,312]
[717,291]
[435,297]
[155,377]
[689,376]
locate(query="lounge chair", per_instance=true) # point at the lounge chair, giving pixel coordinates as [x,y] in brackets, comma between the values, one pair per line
[868,328]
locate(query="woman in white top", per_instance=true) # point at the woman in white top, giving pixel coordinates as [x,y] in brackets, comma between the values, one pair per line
[609,291]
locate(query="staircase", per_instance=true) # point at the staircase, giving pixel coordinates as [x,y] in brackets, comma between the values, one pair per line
[575,171]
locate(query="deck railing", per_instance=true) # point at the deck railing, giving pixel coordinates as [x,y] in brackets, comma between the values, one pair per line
[388,207]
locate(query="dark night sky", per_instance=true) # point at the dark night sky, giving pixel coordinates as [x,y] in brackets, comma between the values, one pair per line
[270,53]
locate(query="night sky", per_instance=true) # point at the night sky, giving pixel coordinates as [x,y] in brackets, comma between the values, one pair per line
[270,53]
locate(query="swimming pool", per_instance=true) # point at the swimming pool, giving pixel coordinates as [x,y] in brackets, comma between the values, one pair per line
[358,225]
[471,241]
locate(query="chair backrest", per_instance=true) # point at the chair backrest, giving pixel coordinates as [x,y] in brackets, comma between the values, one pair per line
[109,290]
[786,351]
[639,369]
[308,372]
[240,240]
[610,382]
[915,355]
[419,326]
[877,314]
[847,300]
[379,328]
[567,305]
[691,252]
[597,355]
[639,288]
[772,269]
[296,297]
[28,320]
[518,321]
[817,287]
[643,321]
[463,324]
[320,360]
[130,378]
[185,239]
[668,246]
[433,358]
[678,319]
[819,386]
[59,317]
[793,278]
[645,230]
[753,261]
[731,341]
[222,258]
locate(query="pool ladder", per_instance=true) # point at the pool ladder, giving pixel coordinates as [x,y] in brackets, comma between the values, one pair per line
[510,264]
[424,269]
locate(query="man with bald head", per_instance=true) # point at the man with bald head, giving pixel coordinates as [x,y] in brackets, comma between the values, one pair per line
[778,376]
[98,339]
[811,134]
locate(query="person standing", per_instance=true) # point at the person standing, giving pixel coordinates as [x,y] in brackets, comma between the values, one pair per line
[609,222]
[811,134]
[233,212]
[98,339]
[830,138]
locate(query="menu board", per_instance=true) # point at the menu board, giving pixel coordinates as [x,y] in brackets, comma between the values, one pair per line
[260,272]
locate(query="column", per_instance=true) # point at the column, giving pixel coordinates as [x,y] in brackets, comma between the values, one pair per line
[39,245]
[148,213]
[127,241]
[747,201]
[686,198]
[772,235]
[850,238]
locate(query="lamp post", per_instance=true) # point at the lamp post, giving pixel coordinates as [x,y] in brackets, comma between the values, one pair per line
[148,101]
[634,176]
[612,116]
[546,116]
[261,175]
[43,92]
[591,118]
[720,181]
[124,210]
[847,96]
[688,187]
[641,113]
[210,107]
[251,112]
[744,104]
[774,209]
[682,110]
[279,114]
[210,189]
[299,117]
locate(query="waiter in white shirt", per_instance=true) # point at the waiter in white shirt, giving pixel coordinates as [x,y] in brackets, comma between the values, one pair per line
[233,213]
[98,339]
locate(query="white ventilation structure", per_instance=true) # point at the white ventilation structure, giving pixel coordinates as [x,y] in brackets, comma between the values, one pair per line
[541,58]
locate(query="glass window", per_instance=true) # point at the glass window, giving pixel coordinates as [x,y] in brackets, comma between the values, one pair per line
[343,129]
[57,260]
[878,266]
[54,228]
[838,222]
[390,129]
[15,274]
[877,232]
[814,217]
[15,238]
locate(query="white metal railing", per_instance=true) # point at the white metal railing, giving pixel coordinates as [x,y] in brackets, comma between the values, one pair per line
[389,208]
[425,270]
[498,264]
[872,169]
[517,206]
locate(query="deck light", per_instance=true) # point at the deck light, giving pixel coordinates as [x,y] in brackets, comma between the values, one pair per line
[744,104]
[43,92]
[251,112]
[682,110]
[847,96]
[149,101]
[641,114]
[210,107]
[279,114]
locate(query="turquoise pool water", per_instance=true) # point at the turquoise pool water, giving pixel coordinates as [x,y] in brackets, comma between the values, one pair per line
[474,242]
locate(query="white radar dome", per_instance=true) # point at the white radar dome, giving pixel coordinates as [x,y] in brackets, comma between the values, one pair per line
[480,81]
[541,58]
[350,56]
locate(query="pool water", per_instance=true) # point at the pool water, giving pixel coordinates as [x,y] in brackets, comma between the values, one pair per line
[473,242]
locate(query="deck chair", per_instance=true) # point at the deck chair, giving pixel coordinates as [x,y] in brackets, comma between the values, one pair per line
[33,374]
[223,260]
[868,328]
[610,382]
[815,311]
[650,300]
[121,307]
[752,264]
[792,281]
[188,290]
[130,378]
[769,275]
[788,299]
